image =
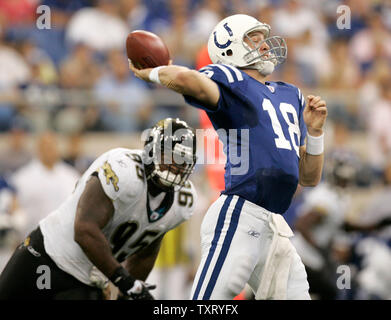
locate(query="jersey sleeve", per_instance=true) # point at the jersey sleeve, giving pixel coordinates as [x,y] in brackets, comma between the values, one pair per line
[186,201]
[120,177]
[302,125]
[229,80]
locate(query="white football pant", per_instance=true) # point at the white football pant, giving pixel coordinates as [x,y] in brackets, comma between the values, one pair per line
[236,242]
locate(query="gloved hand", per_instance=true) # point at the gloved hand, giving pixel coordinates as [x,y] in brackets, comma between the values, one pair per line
[140,291]
[130,287]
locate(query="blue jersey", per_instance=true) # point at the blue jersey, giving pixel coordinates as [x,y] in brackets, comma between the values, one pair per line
[263,152]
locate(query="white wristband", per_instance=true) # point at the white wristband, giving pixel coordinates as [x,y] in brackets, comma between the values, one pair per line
[315,145]
[154,75]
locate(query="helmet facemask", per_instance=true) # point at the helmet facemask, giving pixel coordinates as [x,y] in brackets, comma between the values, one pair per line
[174,166]
[171,156]
[264,61]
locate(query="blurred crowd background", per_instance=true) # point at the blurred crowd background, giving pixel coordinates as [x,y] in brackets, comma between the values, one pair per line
[66,95]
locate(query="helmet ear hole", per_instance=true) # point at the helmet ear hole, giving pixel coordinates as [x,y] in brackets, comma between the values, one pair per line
[229,52]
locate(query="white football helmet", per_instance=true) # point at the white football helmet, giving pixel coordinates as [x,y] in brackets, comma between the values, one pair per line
[226,45]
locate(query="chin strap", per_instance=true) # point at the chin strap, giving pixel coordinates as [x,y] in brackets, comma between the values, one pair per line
[265,68]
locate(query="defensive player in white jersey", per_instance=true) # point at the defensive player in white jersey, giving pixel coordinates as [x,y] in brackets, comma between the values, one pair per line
[263,126]
[112,224]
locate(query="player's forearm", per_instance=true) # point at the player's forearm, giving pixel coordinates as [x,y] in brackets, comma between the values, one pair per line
[141,263]
[311,159]
[191,83]
[172,77]
[182,80]
[185,81]
[140,269]
[310,171]
[97,249]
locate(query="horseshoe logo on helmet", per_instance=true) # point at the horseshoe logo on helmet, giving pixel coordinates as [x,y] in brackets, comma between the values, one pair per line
[228,43]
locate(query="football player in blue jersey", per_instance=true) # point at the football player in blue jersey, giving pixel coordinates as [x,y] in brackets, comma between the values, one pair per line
[279,143]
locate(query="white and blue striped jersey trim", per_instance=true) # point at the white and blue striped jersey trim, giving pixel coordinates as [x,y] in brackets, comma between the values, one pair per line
[232,73]
[301,98]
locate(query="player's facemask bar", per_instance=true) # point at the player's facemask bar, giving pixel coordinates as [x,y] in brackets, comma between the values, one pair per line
[276,54]
[175,166]
[173,161]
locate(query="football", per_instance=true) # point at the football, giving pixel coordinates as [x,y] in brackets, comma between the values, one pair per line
[146,50]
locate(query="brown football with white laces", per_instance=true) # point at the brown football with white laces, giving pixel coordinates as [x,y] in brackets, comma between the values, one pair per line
[146,50]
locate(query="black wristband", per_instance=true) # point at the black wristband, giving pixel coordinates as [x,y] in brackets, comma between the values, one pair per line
[122,279]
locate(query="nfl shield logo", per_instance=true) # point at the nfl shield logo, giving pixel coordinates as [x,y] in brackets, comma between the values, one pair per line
[270,88]
[154,216]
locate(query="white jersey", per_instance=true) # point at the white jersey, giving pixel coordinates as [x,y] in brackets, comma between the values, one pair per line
[133,225]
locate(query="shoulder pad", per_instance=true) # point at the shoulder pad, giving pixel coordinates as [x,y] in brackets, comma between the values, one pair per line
[223,73]
[122,174]
[187,198]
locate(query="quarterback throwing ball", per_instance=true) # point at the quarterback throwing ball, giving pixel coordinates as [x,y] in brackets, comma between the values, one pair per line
[275,141]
